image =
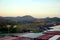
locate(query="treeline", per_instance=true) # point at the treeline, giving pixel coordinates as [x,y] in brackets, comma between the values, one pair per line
[26,24]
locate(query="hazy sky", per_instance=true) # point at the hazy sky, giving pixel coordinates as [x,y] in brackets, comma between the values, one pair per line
[36,8]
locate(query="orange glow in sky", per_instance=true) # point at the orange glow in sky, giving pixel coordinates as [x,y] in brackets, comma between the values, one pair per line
[36,8]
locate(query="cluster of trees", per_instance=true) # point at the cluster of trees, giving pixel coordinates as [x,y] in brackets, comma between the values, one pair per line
[26,24]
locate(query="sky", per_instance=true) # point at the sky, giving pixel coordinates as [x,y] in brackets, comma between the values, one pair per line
[35,8]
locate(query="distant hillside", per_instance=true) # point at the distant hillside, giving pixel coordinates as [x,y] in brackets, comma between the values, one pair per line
[26,18]
[52,19]
[27,23]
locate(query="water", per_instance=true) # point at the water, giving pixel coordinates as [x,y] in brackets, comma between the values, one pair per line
[55,28]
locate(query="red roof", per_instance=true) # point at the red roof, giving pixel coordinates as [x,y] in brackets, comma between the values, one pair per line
[52,32]
[8,38]
[58,38]
[45,37]
[23,38]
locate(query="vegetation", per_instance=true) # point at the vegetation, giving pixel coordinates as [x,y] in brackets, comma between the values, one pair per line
[26,24]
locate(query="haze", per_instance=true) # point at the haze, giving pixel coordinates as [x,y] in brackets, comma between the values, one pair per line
[35,8]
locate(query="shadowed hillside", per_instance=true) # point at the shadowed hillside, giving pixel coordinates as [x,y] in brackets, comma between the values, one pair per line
[27,24]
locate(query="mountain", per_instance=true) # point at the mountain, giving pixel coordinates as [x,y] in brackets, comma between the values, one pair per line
[26,18]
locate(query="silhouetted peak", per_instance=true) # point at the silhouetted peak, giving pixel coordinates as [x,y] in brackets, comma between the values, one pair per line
[28,16]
